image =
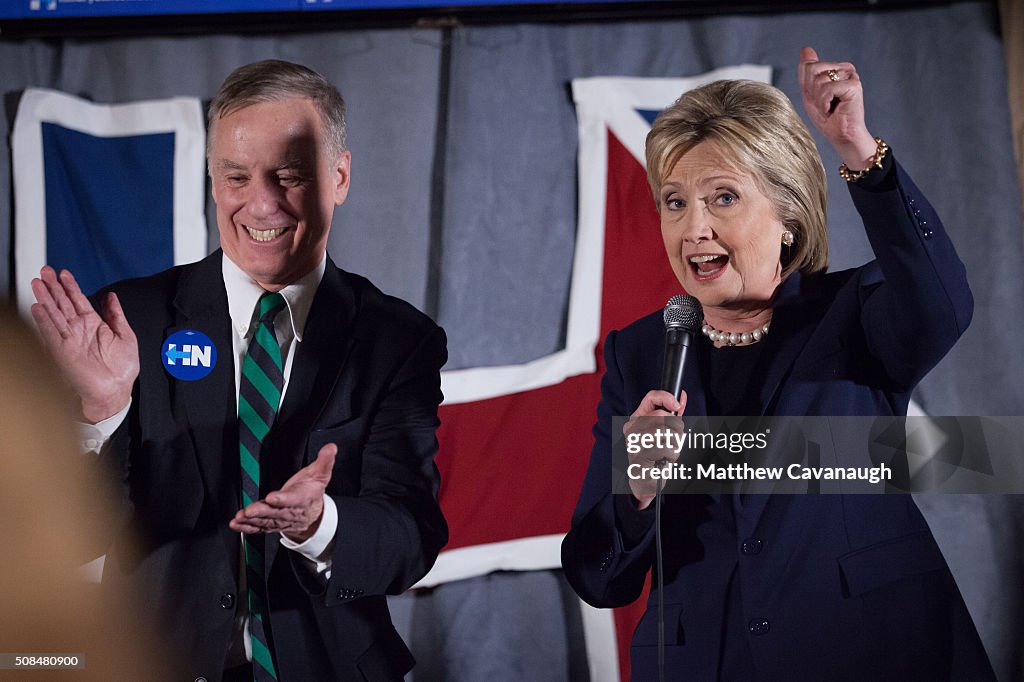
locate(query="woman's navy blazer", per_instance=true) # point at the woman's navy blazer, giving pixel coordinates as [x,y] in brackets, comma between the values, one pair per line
[827,586]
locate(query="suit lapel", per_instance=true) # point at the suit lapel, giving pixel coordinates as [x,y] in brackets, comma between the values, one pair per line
[693,379]
[319,358]
[793,322]
[209,403]
[791,327]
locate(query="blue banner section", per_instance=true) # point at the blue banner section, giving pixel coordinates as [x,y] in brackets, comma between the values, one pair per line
[109,204]
[49,9]
[43,9]
[649,115]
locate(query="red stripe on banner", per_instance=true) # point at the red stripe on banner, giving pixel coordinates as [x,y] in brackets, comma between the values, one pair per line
[512,466]
[637,276]
[626,619]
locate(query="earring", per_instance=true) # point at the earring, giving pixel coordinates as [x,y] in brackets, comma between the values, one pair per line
[787,238]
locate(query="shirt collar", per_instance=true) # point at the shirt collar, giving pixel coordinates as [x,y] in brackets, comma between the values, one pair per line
[243,294]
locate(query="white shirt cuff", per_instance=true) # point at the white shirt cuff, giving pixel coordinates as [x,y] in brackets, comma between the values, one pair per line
[94,436]
[317,547]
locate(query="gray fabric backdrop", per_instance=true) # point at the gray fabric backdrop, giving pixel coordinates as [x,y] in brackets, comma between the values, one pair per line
[466,205]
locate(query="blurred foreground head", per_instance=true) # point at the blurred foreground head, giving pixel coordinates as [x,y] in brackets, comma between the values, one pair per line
[51,517]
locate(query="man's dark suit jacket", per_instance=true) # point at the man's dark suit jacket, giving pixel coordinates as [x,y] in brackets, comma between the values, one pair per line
[829,586]
[365,377]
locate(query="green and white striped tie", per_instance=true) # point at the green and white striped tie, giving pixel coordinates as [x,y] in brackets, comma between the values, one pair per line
[259,396]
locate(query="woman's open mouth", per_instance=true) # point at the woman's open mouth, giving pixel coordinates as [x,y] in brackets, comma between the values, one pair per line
[708,266]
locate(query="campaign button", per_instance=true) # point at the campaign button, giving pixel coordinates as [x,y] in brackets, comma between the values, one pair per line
[188,355]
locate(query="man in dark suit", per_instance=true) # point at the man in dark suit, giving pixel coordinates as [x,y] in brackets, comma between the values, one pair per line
[263,391]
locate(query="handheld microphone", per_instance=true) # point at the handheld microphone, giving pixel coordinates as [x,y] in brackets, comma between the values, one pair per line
[683,316]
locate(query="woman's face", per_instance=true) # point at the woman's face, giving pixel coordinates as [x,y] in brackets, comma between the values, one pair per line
[721,232]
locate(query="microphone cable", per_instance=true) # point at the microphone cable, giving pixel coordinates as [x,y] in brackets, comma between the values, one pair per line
[660,565]
[682,317]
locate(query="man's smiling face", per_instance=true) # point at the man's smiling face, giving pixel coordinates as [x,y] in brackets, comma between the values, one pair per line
[275,182]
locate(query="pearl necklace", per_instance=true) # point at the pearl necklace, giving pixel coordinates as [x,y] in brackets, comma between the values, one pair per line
[734,338]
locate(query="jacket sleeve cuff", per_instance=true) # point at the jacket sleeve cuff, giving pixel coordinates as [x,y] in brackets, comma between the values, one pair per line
[634,524]
[879,179]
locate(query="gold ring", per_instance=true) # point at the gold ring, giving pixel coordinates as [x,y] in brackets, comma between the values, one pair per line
[833,75]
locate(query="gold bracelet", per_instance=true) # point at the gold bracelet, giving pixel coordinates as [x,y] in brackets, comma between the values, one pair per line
[876,162]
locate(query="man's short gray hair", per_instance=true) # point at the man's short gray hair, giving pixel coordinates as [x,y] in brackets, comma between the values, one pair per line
[273,80]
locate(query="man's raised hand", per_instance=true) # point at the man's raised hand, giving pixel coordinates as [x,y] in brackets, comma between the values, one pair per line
[99,356]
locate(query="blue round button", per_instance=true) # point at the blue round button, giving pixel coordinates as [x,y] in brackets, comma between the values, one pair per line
[188,355]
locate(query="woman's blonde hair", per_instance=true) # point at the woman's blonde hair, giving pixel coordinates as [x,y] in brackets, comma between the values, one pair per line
[757,125]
